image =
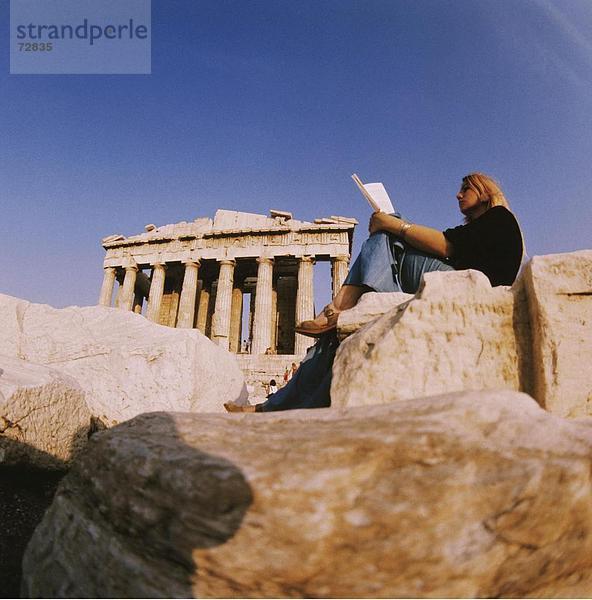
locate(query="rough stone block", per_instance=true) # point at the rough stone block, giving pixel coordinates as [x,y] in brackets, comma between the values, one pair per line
[559,288]
[44,419]
[125,364]
[473,495]
[458,333]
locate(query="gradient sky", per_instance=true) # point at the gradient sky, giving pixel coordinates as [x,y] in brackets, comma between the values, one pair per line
[254,105]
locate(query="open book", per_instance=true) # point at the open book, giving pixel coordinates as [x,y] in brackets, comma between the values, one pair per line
[376,195]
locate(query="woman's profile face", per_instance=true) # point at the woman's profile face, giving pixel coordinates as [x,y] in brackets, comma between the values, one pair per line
[468,200]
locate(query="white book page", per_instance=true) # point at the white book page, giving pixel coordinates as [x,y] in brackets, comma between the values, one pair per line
[380,196]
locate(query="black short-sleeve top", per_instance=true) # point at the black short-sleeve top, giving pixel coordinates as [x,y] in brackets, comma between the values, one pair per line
[492,244]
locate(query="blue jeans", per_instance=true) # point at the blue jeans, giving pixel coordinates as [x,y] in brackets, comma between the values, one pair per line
[311,384]
[386,264]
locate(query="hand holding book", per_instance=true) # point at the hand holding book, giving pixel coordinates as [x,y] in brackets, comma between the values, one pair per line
[376,195]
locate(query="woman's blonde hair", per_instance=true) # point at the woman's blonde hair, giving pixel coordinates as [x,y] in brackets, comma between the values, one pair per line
[487,189]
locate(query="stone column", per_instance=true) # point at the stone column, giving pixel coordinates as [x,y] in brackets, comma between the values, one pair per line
[263,300]
[274,319]
[107,287]
[221,320]
[126,299]
[156,291]
[236,320]
[339,270]
[188,295]
[304,301]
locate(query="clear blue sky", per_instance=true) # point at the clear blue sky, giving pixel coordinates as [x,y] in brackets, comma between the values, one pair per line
[254,105]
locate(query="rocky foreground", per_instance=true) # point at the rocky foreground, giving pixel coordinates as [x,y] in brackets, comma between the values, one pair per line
[455,460]
[479,494]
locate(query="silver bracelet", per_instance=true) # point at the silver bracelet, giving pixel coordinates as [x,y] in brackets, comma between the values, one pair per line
[404,229]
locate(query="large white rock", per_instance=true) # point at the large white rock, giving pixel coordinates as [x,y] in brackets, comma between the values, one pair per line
[559,288]
[44,419]
[457,333]
[126,364]
[476,495]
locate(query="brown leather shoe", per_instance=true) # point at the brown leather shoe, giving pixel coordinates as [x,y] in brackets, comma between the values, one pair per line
[315,329]
[234,408]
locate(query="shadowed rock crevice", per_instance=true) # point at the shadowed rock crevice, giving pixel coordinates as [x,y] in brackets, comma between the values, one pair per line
[524,341]
[25,494]
[144,504]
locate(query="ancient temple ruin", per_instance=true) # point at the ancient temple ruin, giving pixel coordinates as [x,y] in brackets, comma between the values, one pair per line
[197,274]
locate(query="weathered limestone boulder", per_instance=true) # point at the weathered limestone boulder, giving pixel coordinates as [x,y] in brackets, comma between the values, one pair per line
[457,333]
[44,420]
[125,364]
[371,306]
[559,288]
[479,494]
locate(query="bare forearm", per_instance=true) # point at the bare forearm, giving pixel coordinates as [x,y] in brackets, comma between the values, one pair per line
[428,240]
[421,237]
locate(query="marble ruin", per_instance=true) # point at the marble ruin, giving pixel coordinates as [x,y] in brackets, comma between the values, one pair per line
[196,275]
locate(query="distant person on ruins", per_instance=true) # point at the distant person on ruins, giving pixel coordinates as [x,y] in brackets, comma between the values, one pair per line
[394,259]
[290,372]
[272,388]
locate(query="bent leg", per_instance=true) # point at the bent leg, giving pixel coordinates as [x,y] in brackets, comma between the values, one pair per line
[375,267]
[414,264]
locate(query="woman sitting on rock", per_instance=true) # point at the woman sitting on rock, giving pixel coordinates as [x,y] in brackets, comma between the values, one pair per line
[393,259]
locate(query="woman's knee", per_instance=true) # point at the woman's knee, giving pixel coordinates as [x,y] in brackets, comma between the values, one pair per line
[376,240]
